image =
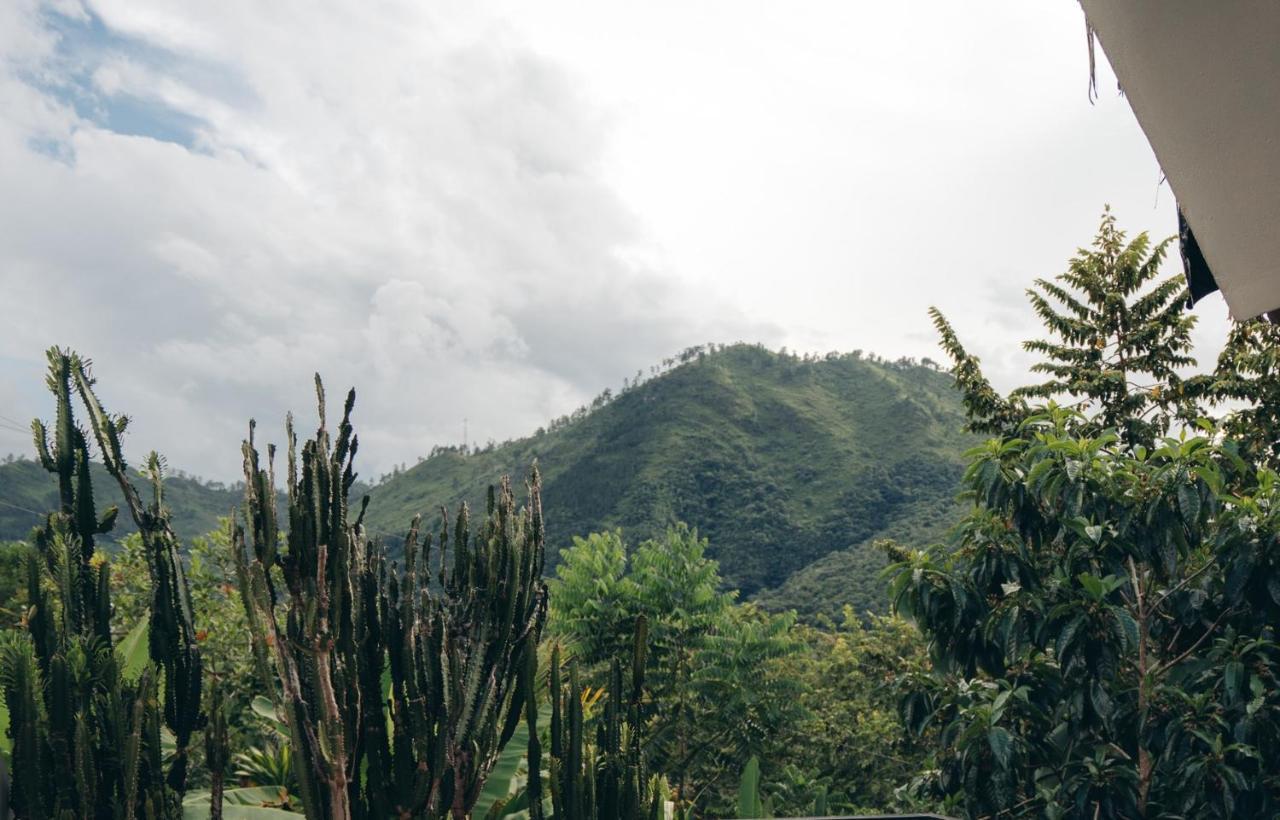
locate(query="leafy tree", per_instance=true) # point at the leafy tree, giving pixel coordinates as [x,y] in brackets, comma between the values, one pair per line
[1102,629]
[13,582]
[1118,339]
[1104,633]
[719,684]
[853,746]
[1246,381]
[592,598]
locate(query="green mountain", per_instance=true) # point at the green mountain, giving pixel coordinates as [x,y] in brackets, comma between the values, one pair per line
[28,491]
[791,467]
[782,463]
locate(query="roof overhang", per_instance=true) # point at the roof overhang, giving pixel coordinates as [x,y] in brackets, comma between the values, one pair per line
[1203,79]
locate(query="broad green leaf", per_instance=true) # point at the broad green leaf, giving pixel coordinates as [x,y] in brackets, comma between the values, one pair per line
[253,803]
[501,780]
[1189,502]
[4,728]
[1233,675]
[1001,743]
[1128,625]
[134,651]
[749,790]
[1067,635]
[265,709]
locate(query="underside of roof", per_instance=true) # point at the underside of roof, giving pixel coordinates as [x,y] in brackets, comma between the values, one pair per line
[1203,79]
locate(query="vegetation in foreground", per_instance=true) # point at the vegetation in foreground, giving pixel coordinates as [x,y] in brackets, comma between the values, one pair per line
[1103,628]
[1097,639]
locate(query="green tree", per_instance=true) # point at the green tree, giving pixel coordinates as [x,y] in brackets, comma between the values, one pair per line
[1246,382]
[592,601]
[1104,632]
[719,685]
[853,745]
[1102,627]
[1118,338]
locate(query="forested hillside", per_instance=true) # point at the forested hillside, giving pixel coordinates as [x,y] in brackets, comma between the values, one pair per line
[790,466]
[778,460]
[28,491]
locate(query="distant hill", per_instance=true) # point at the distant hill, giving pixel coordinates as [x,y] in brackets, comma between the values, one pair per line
[791,467]
[28,491]
[780,461]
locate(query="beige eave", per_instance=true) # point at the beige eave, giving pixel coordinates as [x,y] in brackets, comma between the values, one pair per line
[1203,78]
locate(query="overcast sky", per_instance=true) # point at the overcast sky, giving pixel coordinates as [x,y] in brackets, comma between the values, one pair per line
[495,210]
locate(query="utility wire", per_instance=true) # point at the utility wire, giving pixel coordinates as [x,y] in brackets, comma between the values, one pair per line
[24,509]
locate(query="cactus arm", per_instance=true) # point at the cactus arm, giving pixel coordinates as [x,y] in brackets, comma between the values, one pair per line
[40,437]
[454,652]
[172,636]
[85,741]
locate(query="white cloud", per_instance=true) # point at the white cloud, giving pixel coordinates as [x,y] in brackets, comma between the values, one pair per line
[493,211]
[214,203]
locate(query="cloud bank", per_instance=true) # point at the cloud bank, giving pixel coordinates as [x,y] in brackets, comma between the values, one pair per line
[216,201]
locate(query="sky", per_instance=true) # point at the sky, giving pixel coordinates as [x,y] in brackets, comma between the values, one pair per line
[494,210]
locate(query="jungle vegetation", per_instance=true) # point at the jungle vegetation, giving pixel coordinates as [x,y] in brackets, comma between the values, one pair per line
[1089,631]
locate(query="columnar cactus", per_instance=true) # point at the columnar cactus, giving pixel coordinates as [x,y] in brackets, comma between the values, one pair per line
[86,741]
[400,689]
[172,635]
[606,780]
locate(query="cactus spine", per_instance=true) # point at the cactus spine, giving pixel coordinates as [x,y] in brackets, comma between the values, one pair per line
[86,742]
[454,650]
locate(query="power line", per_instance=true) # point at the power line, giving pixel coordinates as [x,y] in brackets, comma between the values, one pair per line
[24,509]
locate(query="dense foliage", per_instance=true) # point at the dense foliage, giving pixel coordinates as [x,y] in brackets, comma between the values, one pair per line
[1096,640]
[718,694]
[780,460]
[729,683]
[1103,629]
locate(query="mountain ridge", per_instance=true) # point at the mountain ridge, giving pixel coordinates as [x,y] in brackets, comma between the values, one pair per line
[778,460]
[791,466]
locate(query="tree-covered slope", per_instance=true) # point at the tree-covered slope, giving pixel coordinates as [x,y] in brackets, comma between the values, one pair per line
[791,467]
[778,460]
[28,491]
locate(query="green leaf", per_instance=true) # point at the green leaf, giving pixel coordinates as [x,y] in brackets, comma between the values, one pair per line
[749,805]
[1128,625]
[1189,502]
[254,803]
[134,651]
[1067,635]
[1093,586]
[1001,743]
[501,780]
[1233,675]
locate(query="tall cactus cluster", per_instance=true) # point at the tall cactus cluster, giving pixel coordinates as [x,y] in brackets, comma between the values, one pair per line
[400,683]
[607,779]
[85,740]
